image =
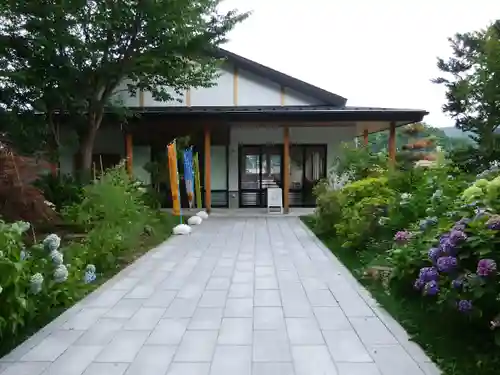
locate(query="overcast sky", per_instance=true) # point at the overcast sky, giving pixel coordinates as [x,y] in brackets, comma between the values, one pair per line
[373,52]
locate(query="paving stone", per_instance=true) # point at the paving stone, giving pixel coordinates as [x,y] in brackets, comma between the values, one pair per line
[345,368]
[272,368]
[181,308]
[206,318]
[74,360]
[124,347]
[266,282]
[271,346]
[304,331]
[394,360]
[179,368]
[102,332]
[52,346]
[263,271]
[152,360]
[106,369]
[345,346]
[236,331]
[331,318]
[229,360]
[269,318]
[213,298]
[25,368]
[146,318]
[243,277]
[85,318]
[106,298]
[313,360]
[196,346]
[321,298]
[168,332]
[125,308]
[223,272]
[160,298]
[267,298]
[248,266]
[372,331]
[239,308]
[126,283]
[218,283]
[241,291]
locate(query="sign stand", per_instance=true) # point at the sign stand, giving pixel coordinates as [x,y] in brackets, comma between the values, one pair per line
[274,200]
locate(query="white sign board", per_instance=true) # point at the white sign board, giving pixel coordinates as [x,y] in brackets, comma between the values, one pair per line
[274,200]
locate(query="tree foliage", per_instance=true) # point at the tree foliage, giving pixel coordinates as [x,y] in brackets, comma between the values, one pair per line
[472,82]
[73,56]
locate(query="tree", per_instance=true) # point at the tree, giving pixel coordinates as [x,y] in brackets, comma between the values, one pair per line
[70,57]
[473,84]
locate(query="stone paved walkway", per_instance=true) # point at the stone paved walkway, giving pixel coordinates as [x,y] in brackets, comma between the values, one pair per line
[239,296]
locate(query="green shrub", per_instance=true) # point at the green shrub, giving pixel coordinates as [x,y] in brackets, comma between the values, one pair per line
[62,190]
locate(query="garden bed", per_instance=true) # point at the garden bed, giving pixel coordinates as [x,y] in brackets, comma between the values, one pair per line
[455,344]
[161,232]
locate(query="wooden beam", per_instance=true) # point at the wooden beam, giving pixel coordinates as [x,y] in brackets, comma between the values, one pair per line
[365,137]
[286,169]
[188,98]
[208,171]
[235,86]
[129,153]
[283,95]
[392,144]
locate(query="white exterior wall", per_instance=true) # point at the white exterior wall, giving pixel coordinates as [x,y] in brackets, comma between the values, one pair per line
[250,90]
[246,135]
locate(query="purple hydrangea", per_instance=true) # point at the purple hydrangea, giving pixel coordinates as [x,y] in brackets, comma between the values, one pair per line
[434,254]
[493,222]
[446,246]
[402,236]
[431,288]
[428,274]
[457,236]
[486,267]
[457,283]
[464,305]
[447,263]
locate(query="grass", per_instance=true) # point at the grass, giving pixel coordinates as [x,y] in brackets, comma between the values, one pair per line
[456,345]
[162,231]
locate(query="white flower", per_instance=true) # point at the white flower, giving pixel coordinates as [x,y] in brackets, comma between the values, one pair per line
[50,204]
[90,268]
[36,282]
[1,289]
[406,196]
[437,194]
[383,220]
[52,242]
[56,257]
[61,274]
[20,226]
[89,277]
[1,254]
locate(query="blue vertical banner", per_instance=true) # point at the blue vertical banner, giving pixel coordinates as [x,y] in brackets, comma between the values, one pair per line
[189,175]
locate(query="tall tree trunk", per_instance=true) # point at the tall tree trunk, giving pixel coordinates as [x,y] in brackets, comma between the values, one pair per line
[86,140]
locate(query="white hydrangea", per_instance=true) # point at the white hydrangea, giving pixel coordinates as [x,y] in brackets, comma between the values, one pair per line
[382,221]
[437,194]
[20,226]
[405,198]
[52,242]
[337,181]
[1,289]
[56,257]
[61,274]
[90,268]
[36,282]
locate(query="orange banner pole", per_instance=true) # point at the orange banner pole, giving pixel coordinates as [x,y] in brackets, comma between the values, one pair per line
[174,183]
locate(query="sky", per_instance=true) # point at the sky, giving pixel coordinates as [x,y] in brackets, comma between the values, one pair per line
[374,53]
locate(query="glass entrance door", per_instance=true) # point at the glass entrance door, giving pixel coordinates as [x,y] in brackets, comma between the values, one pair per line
[260,168]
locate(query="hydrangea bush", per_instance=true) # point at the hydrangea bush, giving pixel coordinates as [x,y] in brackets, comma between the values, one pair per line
[456,261]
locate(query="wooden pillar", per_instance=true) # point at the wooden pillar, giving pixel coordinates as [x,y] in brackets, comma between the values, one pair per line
[128,152]
[365,137]
[392,144]
[208,182]
[286,168]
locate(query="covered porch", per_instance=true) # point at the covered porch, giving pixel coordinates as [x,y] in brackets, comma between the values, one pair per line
[243,151]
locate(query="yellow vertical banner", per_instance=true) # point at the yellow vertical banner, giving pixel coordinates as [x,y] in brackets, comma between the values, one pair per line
[174,179]
[197,181]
